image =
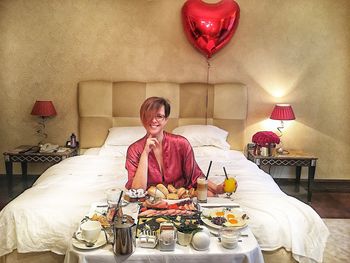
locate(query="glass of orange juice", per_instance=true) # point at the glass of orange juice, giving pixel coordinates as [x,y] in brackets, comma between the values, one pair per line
[230,186]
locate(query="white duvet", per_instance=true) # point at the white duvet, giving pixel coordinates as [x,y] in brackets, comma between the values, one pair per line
[44,217]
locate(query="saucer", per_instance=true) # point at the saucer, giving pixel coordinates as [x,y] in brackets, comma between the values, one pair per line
[100,242]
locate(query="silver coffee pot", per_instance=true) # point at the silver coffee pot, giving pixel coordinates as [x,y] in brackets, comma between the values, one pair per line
[124,232]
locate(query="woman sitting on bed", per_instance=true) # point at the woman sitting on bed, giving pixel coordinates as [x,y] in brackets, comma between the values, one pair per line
[162,157]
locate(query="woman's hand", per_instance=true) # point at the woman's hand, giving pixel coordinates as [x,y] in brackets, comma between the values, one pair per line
[219,188]
[214,188]
[151,143]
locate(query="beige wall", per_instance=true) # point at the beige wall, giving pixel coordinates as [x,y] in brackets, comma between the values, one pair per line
[298,50]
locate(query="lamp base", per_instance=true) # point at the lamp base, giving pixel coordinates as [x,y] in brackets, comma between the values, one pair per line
[41,130]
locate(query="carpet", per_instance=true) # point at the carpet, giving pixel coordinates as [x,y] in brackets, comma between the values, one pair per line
[338,243]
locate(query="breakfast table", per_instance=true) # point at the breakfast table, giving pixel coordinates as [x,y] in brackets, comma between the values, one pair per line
[247,250]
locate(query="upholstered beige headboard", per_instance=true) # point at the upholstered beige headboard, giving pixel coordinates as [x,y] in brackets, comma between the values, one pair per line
[105,104]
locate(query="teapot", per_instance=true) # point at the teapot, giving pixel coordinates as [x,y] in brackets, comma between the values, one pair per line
[124,232]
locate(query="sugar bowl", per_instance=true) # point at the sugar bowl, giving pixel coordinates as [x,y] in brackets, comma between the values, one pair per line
[229,237]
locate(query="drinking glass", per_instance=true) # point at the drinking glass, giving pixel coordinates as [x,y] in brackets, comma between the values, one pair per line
[202,189]
[230,186]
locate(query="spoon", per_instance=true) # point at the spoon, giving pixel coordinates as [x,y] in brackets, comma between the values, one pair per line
[87,243]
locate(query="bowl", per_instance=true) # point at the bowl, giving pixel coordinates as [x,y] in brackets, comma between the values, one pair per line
[229,237]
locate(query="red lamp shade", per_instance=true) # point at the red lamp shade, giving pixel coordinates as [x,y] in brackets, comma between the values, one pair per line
[44,109]
[282,112]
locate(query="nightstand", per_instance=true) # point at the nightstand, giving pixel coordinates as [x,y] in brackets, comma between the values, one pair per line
[298,159]
[27,156]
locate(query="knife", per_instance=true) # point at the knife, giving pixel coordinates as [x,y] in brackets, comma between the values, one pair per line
[218,205]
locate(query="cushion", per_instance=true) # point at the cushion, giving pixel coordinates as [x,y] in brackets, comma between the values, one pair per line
[113,150]
[204,135]
[118,136]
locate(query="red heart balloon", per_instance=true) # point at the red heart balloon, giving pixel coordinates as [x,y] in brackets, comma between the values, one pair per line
[209,27]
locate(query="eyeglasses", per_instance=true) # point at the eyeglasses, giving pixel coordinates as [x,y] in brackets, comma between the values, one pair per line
[159,117]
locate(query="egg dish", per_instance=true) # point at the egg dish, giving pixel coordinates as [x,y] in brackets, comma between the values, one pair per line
[222,216]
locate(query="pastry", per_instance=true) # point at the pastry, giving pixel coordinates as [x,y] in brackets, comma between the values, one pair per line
[172,189]
[192,192]
[163,189]
[186,195]
[181,192]
[172,196]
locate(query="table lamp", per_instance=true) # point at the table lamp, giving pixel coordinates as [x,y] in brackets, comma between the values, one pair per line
[43,109]
[282,112]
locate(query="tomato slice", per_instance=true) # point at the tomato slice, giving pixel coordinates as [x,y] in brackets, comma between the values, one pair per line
[173,206]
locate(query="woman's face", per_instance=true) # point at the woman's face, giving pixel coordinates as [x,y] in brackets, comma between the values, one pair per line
[157,123]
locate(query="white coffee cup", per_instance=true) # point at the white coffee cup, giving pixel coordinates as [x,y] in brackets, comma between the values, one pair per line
[90,230]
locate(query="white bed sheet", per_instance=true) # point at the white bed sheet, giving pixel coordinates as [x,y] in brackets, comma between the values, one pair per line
[276,219]
[44,216]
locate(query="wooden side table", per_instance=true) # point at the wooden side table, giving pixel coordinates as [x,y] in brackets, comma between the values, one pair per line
[294,158]
[24,158]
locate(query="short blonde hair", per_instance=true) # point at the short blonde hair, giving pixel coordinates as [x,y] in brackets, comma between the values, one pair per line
[150,106]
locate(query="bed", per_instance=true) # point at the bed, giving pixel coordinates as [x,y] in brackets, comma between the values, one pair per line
[37,226]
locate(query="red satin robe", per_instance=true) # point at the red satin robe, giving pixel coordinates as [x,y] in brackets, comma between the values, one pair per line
[179,165]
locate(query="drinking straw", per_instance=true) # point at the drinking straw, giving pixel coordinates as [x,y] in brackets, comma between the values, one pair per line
[120,198]
[118,212]
[225,172]
[206,178]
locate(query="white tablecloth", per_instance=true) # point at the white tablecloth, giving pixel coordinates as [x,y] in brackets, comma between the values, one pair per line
[247,251]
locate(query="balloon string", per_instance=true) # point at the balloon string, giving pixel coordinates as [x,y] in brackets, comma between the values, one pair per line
[208,63]
[207,95]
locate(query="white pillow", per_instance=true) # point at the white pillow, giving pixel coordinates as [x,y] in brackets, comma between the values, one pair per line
[118,136]
[204,135]
[113,150]
[214,153]
[90,151]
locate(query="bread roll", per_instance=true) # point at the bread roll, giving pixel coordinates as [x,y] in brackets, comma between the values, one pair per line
[163,189]
[159,194]
[181,191]
[172,189]
[153,191]
[192,192]
[185,195]
[172,196]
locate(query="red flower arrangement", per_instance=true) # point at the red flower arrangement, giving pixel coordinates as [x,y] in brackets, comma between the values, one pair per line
[264,138]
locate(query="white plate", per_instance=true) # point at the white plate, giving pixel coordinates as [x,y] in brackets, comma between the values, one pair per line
[238,213]
[175,201]
[100,242]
